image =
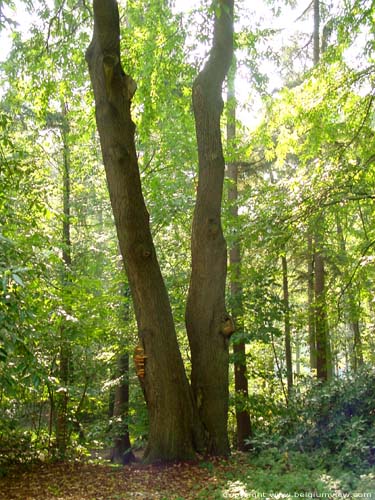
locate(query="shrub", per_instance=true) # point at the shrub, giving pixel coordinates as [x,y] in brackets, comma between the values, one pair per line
[336,419]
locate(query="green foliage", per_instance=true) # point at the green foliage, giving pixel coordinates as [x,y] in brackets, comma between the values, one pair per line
[333,423]
[40,310]
[309,165]
[16,447]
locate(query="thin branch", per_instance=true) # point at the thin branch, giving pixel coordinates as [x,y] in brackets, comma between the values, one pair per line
[52,21]
[304,12]
[148,164]
[361,126]
[88,8]
[354,197]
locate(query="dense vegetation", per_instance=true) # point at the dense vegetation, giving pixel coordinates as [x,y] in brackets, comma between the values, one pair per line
[297,216]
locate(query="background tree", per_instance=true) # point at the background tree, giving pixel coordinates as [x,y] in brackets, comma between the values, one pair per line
[243,430]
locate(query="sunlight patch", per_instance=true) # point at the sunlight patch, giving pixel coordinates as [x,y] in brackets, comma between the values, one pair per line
[235,489]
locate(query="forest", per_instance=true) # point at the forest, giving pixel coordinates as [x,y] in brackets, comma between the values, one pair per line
[187,249]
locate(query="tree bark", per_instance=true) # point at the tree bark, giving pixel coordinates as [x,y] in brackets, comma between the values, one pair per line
[287,329]
[323,355]
[311,254]
[310,302]
[321,326]
[298,357]
[121,451]
[358,352]
[244,429]
[169,401]
[206,316]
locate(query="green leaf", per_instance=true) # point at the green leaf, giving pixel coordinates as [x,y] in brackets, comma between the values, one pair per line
[18,279]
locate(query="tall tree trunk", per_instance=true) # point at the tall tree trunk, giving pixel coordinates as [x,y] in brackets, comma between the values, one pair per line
[321,325]
[244,429]
[310,302]
[207,322]
[287,329]
[323,361]
[298,357]
[358,352]
[62,396]
[169,401]
[316,32]
[121,451]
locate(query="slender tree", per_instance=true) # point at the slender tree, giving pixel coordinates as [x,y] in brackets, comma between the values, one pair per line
[310,302]
[316,32]
[287,328]
[121,451]
[244,429]
[321,327]
[62,396]
[320,306]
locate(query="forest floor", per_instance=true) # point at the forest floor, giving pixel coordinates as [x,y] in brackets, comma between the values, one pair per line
[240,477]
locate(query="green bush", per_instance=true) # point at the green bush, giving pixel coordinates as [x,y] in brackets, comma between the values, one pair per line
[335,419]
[20,446]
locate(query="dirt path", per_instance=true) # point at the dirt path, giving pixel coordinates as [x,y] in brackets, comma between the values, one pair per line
[101,482]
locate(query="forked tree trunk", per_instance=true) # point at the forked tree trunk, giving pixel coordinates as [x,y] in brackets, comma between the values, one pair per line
[167,391]
[206,318]
[244,429]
